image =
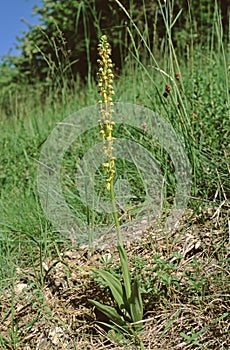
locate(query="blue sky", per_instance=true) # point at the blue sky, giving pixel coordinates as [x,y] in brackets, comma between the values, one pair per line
[11,13]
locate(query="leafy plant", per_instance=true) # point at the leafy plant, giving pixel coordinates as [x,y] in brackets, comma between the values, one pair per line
[192,338]
[127,294]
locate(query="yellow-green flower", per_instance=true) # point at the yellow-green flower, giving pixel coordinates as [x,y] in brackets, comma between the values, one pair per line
[106,91]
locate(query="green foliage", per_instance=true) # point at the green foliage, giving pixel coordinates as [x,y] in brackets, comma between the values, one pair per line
[193,337]
[63,45]
[65,42]
[127,295]
[129,305]
[8,71]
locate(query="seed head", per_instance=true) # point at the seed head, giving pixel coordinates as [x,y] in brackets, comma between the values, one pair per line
[178,76]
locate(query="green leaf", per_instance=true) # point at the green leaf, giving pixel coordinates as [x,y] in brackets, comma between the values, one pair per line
[136,305]
[124,330]
[110,312]
[116,289]
[125,271]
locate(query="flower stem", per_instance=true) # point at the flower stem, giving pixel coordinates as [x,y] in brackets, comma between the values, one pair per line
[115,215]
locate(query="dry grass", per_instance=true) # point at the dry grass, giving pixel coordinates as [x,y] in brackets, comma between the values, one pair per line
[53,312]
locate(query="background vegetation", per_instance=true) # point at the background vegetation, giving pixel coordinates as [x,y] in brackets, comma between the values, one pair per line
[177,43]
[63,44]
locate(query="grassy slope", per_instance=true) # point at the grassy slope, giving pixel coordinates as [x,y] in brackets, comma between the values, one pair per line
[26,238]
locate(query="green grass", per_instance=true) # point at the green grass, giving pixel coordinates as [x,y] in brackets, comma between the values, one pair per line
[198,109]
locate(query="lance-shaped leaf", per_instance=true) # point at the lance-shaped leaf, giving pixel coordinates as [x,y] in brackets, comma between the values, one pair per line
[125,271]
[116,288]
[110,312]
[136,305]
